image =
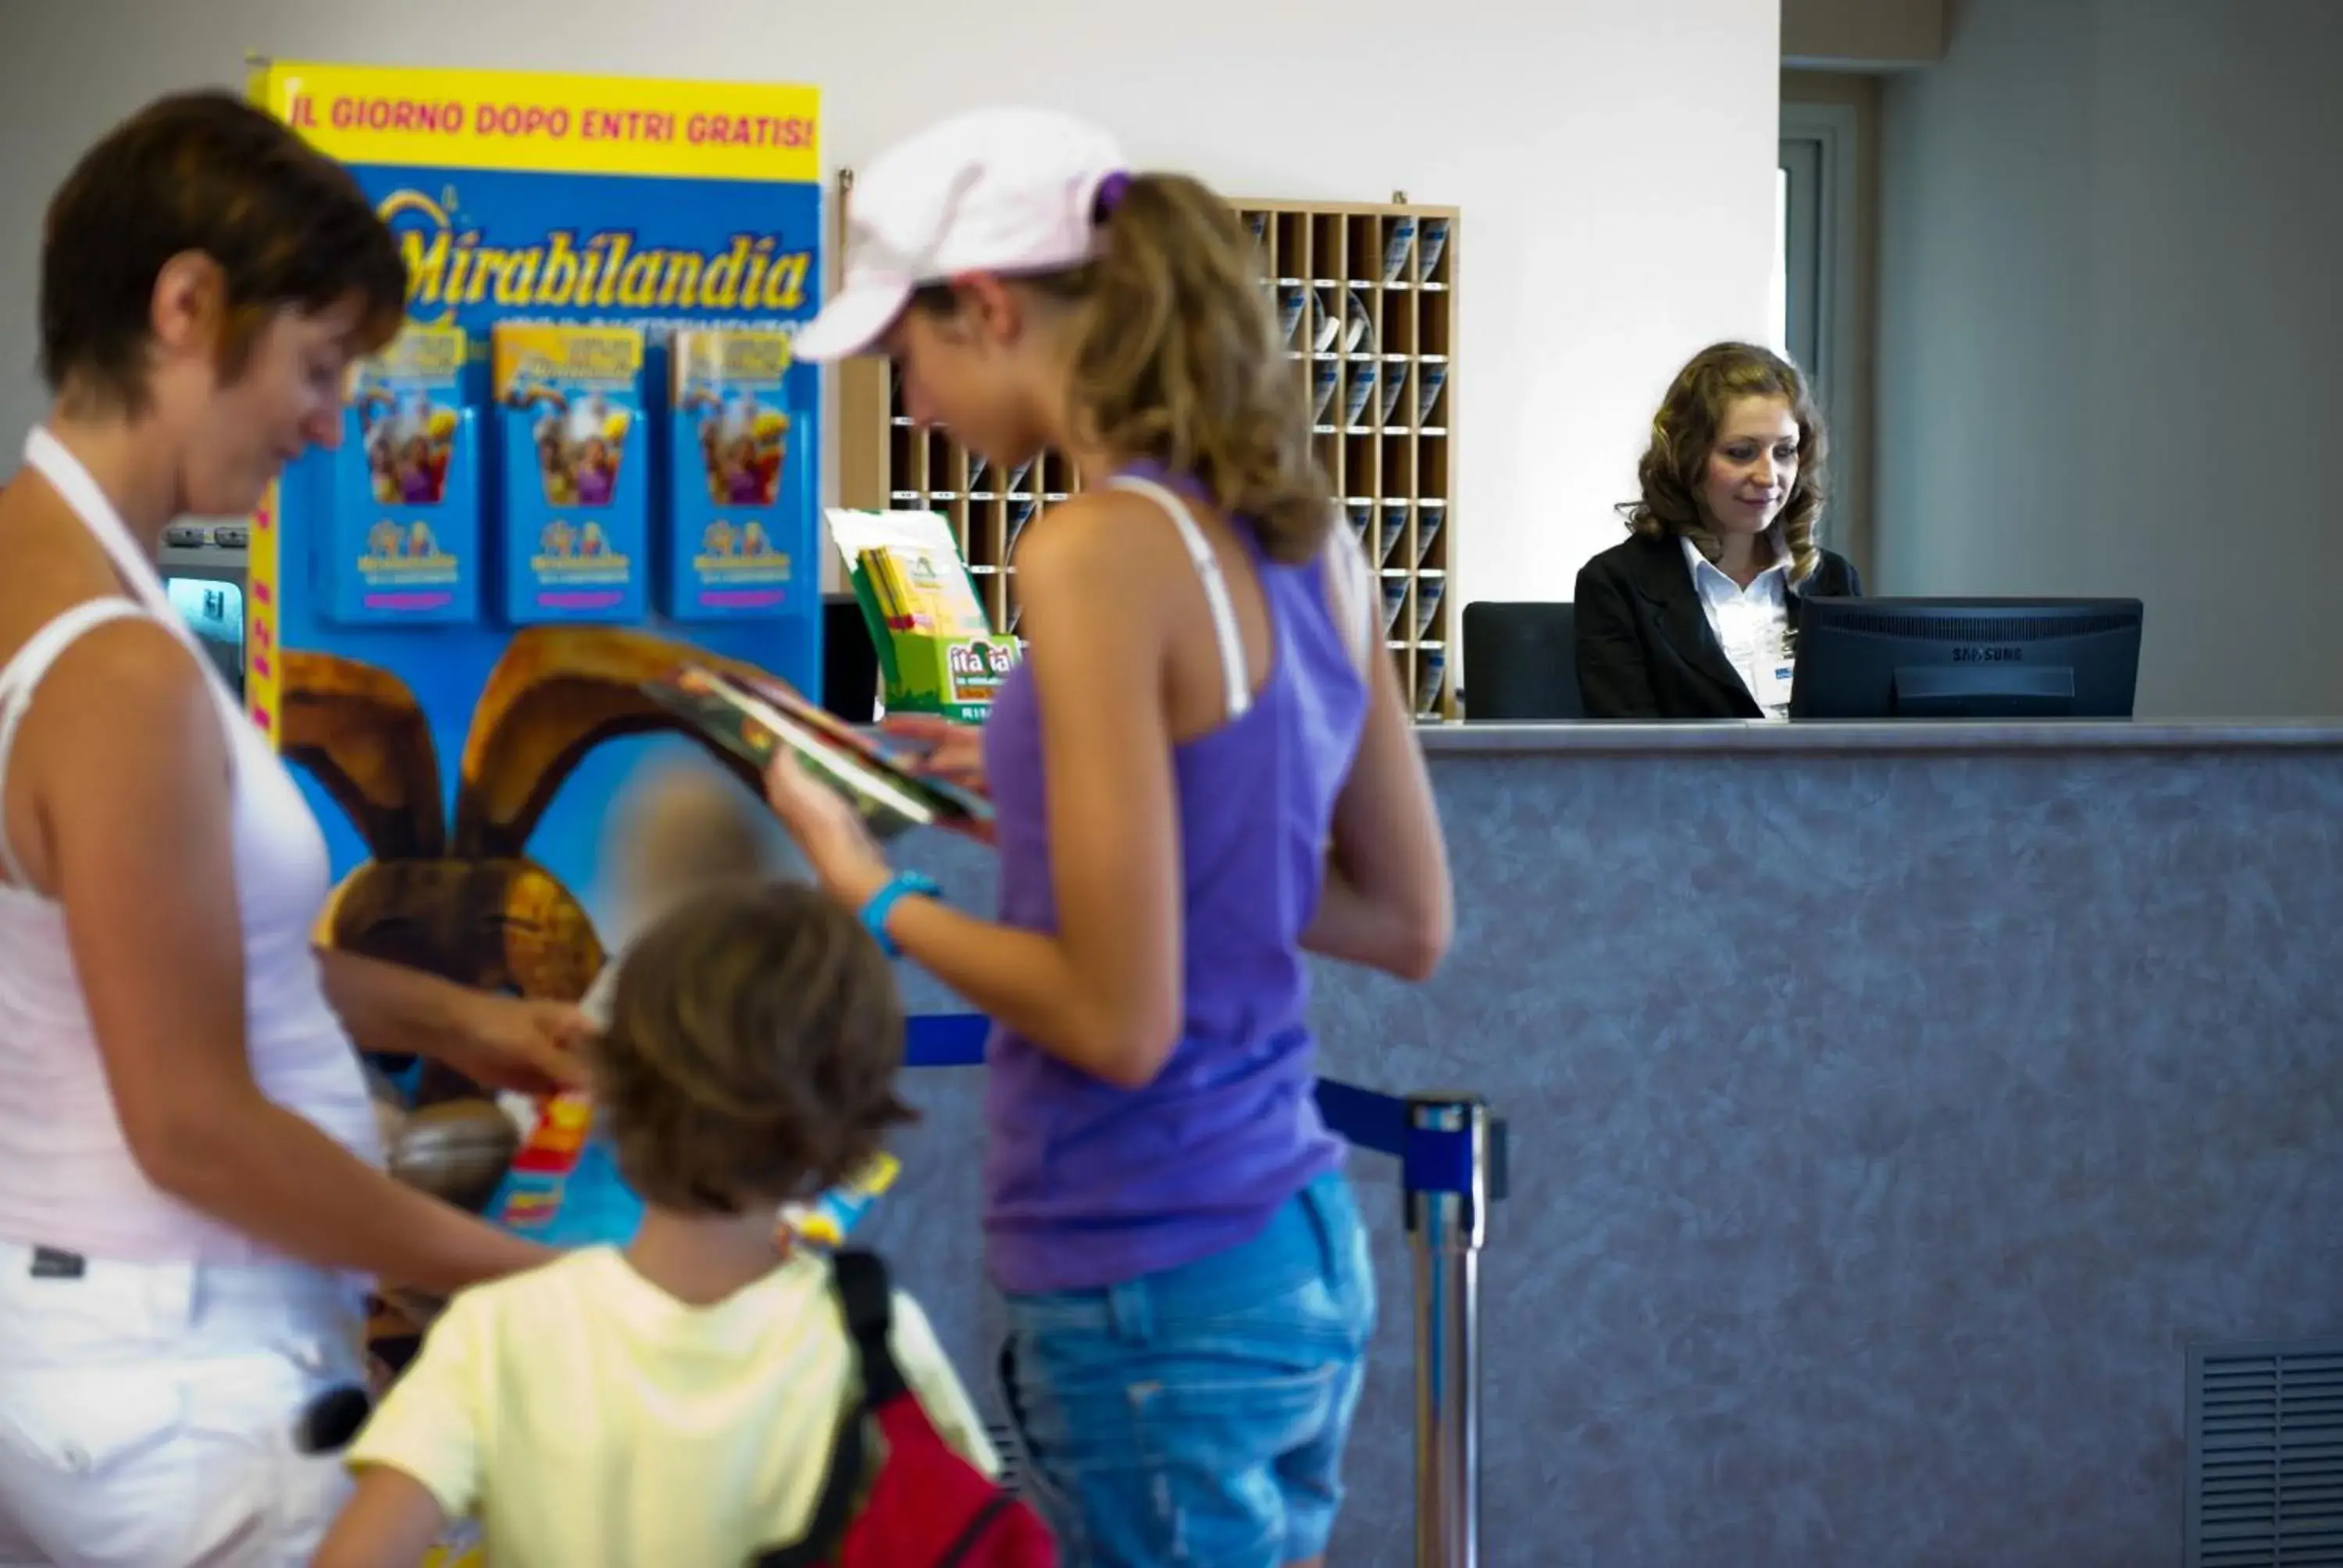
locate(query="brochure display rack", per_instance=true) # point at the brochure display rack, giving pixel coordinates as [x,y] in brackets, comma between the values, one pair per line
[590,451]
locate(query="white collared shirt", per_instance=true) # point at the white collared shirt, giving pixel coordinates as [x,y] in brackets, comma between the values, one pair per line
[1751,626]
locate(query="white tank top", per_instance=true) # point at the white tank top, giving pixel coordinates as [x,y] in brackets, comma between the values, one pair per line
[66,1177]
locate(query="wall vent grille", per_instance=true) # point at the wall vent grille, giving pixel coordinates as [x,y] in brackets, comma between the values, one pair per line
[2266,1455]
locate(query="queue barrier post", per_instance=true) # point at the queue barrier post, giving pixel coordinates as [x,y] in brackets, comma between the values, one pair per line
[1446,1227]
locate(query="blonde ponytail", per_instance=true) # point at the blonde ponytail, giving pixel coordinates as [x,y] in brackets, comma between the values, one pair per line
[1177,358]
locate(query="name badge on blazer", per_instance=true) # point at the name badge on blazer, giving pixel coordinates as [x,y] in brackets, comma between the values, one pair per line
[1773,681]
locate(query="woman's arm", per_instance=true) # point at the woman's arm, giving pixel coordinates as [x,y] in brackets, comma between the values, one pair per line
[1614,677]
[1387,902]
[1102,994]
[129,767]
[503,1043]
[388,1009]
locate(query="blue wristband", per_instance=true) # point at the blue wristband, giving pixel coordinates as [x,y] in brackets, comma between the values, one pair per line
[882,903]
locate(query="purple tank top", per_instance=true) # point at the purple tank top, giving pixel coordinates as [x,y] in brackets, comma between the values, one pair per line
[1088,1184]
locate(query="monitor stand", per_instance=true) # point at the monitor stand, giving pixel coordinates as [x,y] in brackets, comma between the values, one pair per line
[1984,692]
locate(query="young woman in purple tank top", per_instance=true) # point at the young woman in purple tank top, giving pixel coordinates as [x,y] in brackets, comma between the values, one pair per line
[1233,780]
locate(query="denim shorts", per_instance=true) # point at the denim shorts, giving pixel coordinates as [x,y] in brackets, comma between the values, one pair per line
[1198,1415]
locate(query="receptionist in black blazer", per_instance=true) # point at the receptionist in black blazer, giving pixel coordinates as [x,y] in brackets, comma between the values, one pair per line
[1696,615]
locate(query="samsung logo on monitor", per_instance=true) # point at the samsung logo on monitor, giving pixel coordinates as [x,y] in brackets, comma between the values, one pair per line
[2005,653]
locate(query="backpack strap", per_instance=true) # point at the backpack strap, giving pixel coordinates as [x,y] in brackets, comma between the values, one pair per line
[867,1302]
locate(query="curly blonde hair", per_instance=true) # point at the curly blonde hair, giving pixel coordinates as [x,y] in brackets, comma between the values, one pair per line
[1683,433]
[1177,358]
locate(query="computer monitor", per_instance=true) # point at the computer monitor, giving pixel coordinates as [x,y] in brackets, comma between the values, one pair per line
[205,582]
[1966,659]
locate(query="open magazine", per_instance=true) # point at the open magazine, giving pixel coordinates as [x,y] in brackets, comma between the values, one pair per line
[753,719]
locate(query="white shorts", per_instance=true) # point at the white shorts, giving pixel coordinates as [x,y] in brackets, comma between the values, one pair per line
[149,1412]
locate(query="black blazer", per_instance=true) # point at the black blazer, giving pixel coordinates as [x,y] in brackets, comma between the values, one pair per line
[1644,649]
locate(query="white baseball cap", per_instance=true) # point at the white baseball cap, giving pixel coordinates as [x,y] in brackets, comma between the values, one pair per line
[1003,190]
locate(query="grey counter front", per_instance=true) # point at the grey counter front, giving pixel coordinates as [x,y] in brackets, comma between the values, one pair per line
[1893,1109]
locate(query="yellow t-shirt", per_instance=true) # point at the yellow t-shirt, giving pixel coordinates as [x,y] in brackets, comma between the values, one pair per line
[586,1417]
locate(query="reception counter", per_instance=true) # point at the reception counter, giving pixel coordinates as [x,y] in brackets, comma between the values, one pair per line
[1892,1108]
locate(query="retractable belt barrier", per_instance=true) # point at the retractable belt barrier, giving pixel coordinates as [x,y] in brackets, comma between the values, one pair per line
[1451,1167]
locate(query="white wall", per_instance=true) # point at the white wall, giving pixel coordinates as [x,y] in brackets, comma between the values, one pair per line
[2111,331]
[1614,161]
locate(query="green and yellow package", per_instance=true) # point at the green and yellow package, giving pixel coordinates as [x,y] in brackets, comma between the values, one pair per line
[937,651]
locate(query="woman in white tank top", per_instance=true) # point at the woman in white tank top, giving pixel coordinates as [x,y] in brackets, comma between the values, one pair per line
[191,1192]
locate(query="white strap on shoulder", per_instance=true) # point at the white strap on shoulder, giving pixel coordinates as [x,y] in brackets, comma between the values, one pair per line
[25,672]
[1350,592]
[1216,587]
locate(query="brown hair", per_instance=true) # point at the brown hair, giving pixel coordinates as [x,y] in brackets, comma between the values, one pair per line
[1683,433]
[754,1035]
[1177,358]
[203,172]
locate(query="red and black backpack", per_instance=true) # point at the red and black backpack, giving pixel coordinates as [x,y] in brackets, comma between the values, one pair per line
[927,1507]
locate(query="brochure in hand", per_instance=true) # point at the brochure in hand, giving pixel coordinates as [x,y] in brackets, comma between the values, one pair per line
[753,719]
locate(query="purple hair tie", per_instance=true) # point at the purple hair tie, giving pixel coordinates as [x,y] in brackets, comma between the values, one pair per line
[1110,192]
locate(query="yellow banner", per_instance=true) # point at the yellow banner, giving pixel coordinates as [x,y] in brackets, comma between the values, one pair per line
[262,688]
[541,122]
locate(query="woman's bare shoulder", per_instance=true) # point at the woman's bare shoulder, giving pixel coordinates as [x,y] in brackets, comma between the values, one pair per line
[120,712]
[1102,535]
[131,671]
[53,565]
